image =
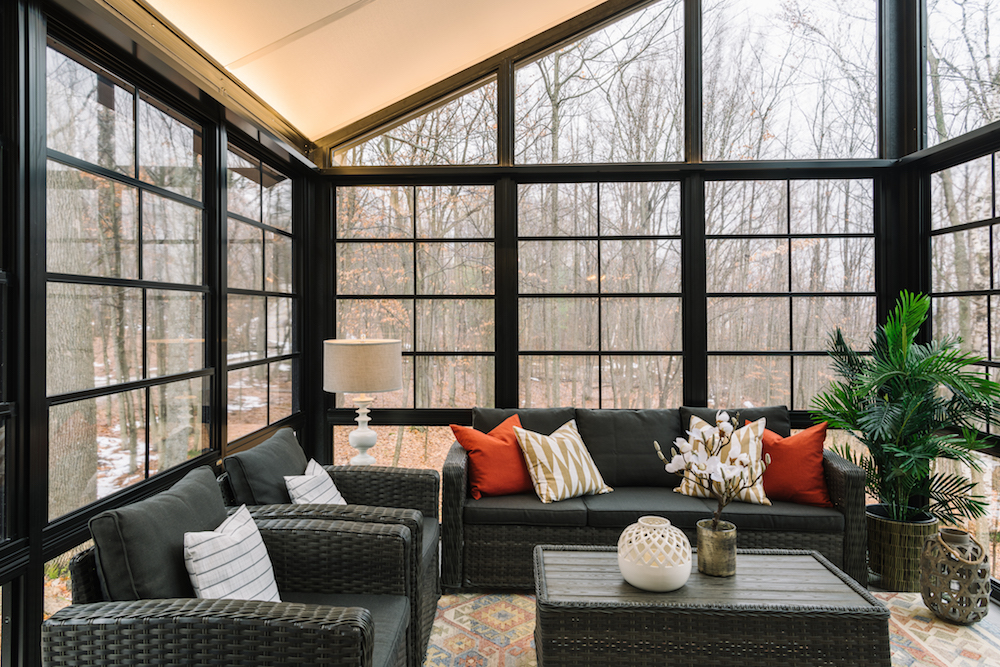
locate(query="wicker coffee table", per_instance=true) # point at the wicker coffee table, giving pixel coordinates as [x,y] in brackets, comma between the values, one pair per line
[781,608]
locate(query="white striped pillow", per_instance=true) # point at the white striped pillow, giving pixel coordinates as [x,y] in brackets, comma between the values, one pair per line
[314,487]
[560,464]
[230,561]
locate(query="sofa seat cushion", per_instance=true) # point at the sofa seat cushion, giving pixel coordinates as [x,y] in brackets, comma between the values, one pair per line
[621,444]
[540,420]
[525,509]
[784,516]
[390,616]
[257,475]
[624,507]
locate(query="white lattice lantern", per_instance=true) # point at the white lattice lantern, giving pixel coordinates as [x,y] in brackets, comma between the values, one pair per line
[654,556]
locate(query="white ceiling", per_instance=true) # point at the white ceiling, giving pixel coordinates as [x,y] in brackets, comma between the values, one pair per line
[324,64]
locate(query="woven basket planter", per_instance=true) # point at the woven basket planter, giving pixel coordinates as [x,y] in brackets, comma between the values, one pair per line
[894,548]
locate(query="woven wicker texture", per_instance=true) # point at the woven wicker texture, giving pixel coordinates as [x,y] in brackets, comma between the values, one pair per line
[955,579]
[894,551]
[455,474]
[389,487]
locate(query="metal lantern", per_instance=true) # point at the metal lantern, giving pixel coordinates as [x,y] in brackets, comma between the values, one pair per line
[955,577]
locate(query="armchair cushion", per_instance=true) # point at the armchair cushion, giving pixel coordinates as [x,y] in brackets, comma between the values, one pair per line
[140,547]
[258,475]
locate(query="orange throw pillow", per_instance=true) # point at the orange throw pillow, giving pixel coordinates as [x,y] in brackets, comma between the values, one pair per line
[796,470]
[496,464]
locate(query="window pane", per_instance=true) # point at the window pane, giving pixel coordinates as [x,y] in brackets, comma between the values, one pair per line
[812,375]
[455,268]
[374,212]
[280,332]
[833,265]
[243,185]
[558,324]
[641,382]
[178,422]
[91,224]
[245,255]
[557,209]
[652,265]
[815,318]
[964,316]
[246,318]
[962,194]
[641,324]
[169,149]
[403,446]
[376,318]
[278,260]
[832,207]
[454,382]
[455,325]
[555,381]
[749,324]
[463,131]
[401,398]
[746,207]
[747,265]
[277,202]
[616,95]
[961,261]
[995,328]
[374,268]
[58,587]
[175,332]
[96,447]
[247,401]
[632,209]
[748,381]
[790,81]
[89,115]
[93,336]
[557,267]
[171,241]
[282,398]
[455,211]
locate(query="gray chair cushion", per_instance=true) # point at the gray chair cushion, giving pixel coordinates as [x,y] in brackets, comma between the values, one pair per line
[540,420]
[783,516]
[140,547]
[624,507]
[621,444]
[777,417]
[525,509]
[257,475]
[390,616]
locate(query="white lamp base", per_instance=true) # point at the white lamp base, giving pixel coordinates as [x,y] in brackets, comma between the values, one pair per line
[362,438]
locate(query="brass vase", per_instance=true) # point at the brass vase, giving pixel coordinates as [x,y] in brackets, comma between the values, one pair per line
[716,548]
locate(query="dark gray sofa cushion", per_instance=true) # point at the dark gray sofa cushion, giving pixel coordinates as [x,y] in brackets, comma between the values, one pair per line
[540,420]
[777,417]
[525,509]
[621,444]
[390,616]
[140,547]
[624,507]
[783,516]
[257,475]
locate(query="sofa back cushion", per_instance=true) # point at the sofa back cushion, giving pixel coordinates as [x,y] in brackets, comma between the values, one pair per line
[621,444]
[257,475]
[777,417]
[140,547]
[539,420]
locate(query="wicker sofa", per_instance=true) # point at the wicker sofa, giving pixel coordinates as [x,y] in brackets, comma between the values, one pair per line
[487,543]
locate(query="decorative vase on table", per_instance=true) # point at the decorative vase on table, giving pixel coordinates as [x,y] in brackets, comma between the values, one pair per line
[654,556]
[955,577]
[716,548]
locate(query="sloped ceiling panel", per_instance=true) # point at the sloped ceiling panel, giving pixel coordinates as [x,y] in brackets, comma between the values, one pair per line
[324,64]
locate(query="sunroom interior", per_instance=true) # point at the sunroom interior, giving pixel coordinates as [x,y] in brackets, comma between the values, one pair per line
[603,204]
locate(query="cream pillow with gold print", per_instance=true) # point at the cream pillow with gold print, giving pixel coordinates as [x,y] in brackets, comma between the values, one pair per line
[559,464]
[746,440]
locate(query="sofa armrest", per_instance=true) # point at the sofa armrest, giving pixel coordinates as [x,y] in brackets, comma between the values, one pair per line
[383,486]
[846,484]
[456,489]
[191,631]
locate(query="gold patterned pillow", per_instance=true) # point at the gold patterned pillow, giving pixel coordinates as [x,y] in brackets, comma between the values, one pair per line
[559,464]
[746,440]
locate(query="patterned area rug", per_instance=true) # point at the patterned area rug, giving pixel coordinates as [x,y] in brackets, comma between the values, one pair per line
[495,630]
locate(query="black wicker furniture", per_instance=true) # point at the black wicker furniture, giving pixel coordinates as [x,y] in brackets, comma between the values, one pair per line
[375,494]
[487,543]
[344,589]
[783,607]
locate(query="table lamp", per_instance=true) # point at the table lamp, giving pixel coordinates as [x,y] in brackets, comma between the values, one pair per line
[362,367]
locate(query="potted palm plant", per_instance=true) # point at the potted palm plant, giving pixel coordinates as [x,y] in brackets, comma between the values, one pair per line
[909,404]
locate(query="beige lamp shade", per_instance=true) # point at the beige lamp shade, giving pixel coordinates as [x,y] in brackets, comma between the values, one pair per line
[362,366]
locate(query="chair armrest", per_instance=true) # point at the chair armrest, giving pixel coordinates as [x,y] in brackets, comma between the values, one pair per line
[316,556]
[383,486]
[456,489]
[191,631]
[846,484]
